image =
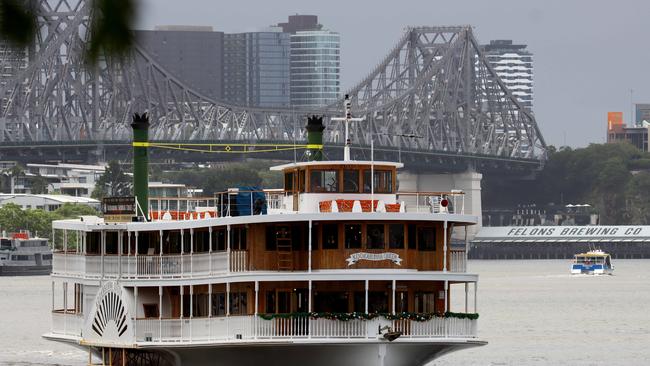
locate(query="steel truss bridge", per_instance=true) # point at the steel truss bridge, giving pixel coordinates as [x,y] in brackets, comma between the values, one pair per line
[433,98]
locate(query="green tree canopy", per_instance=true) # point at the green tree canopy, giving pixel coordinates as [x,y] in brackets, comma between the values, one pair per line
[114,182]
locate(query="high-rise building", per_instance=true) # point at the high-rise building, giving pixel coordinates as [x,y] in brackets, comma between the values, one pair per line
[193,54]
[256,68]
[513,64]
[315,68]
[315,62]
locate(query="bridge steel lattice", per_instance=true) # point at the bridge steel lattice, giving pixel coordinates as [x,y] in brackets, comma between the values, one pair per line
[434,93]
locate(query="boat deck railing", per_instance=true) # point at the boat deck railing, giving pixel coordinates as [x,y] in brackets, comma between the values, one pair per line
[247,328]
[236,202]
[188,265]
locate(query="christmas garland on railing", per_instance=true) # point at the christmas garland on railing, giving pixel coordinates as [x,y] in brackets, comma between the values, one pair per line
[420,317]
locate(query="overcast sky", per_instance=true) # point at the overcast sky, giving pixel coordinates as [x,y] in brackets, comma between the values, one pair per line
[588,55]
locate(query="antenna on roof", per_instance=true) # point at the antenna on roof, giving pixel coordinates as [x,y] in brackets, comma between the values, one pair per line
[347,106]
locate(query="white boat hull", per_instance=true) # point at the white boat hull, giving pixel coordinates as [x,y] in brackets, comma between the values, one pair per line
[381,353]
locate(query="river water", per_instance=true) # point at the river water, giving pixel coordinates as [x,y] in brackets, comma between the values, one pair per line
[531,313]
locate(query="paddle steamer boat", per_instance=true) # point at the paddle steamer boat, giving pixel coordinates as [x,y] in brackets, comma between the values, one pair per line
[336,268]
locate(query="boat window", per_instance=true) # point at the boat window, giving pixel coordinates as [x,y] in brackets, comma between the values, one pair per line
[93,242]
[331,302]
[288,181]
[270,302]
[375,236]
[396,236]
[301,180]
[324,181]
[426,238]
[425,302]
[218,239]
[377,302]
[401,302]
[350,181]
[330,236]
[201,240]
[238,303]
[111,242]
[238,238]
[171,242]
[150,310]
[412,236]
[383,182]
[271,238]
[200,305]
[353,236]
[218,304]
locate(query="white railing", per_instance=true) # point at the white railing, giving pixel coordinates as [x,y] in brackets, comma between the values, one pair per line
[433,202]
[238,261]
[66,323]
[251,327]
[148,266]
[458,261]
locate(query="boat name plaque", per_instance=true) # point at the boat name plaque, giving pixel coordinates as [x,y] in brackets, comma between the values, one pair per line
[393,257]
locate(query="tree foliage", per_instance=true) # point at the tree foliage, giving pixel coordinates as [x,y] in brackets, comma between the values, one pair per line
[219,179]
[610,177]
[114,182]
[110,29]
[14,219]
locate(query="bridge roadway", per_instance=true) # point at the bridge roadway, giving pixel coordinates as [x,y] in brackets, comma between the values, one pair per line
[414,160]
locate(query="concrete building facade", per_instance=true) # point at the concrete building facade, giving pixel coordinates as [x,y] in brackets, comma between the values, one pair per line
[194,54]
[256,68]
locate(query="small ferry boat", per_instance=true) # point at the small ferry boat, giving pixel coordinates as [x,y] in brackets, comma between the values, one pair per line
[594,262]
[335,268]
[21,255]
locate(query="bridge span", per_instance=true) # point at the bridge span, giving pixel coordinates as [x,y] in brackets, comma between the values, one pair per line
[435,83]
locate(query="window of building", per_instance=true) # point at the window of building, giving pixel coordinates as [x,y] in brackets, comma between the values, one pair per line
[324,181]
[350,181]
[330,236]
[375,236]
[301,180]
[377,302]
[396,236]
[270,302]
[426,238]
[150,310]
[352,236]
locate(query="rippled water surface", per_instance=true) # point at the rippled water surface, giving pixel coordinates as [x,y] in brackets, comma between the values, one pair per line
[531,313]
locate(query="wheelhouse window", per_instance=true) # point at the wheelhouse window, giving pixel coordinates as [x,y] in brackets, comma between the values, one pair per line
[324,181]
[383,181]
[352,236]
[375,236]
[330,236]
[301,181]
[288,181]
[350,181]
[396,236]
[426,238]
